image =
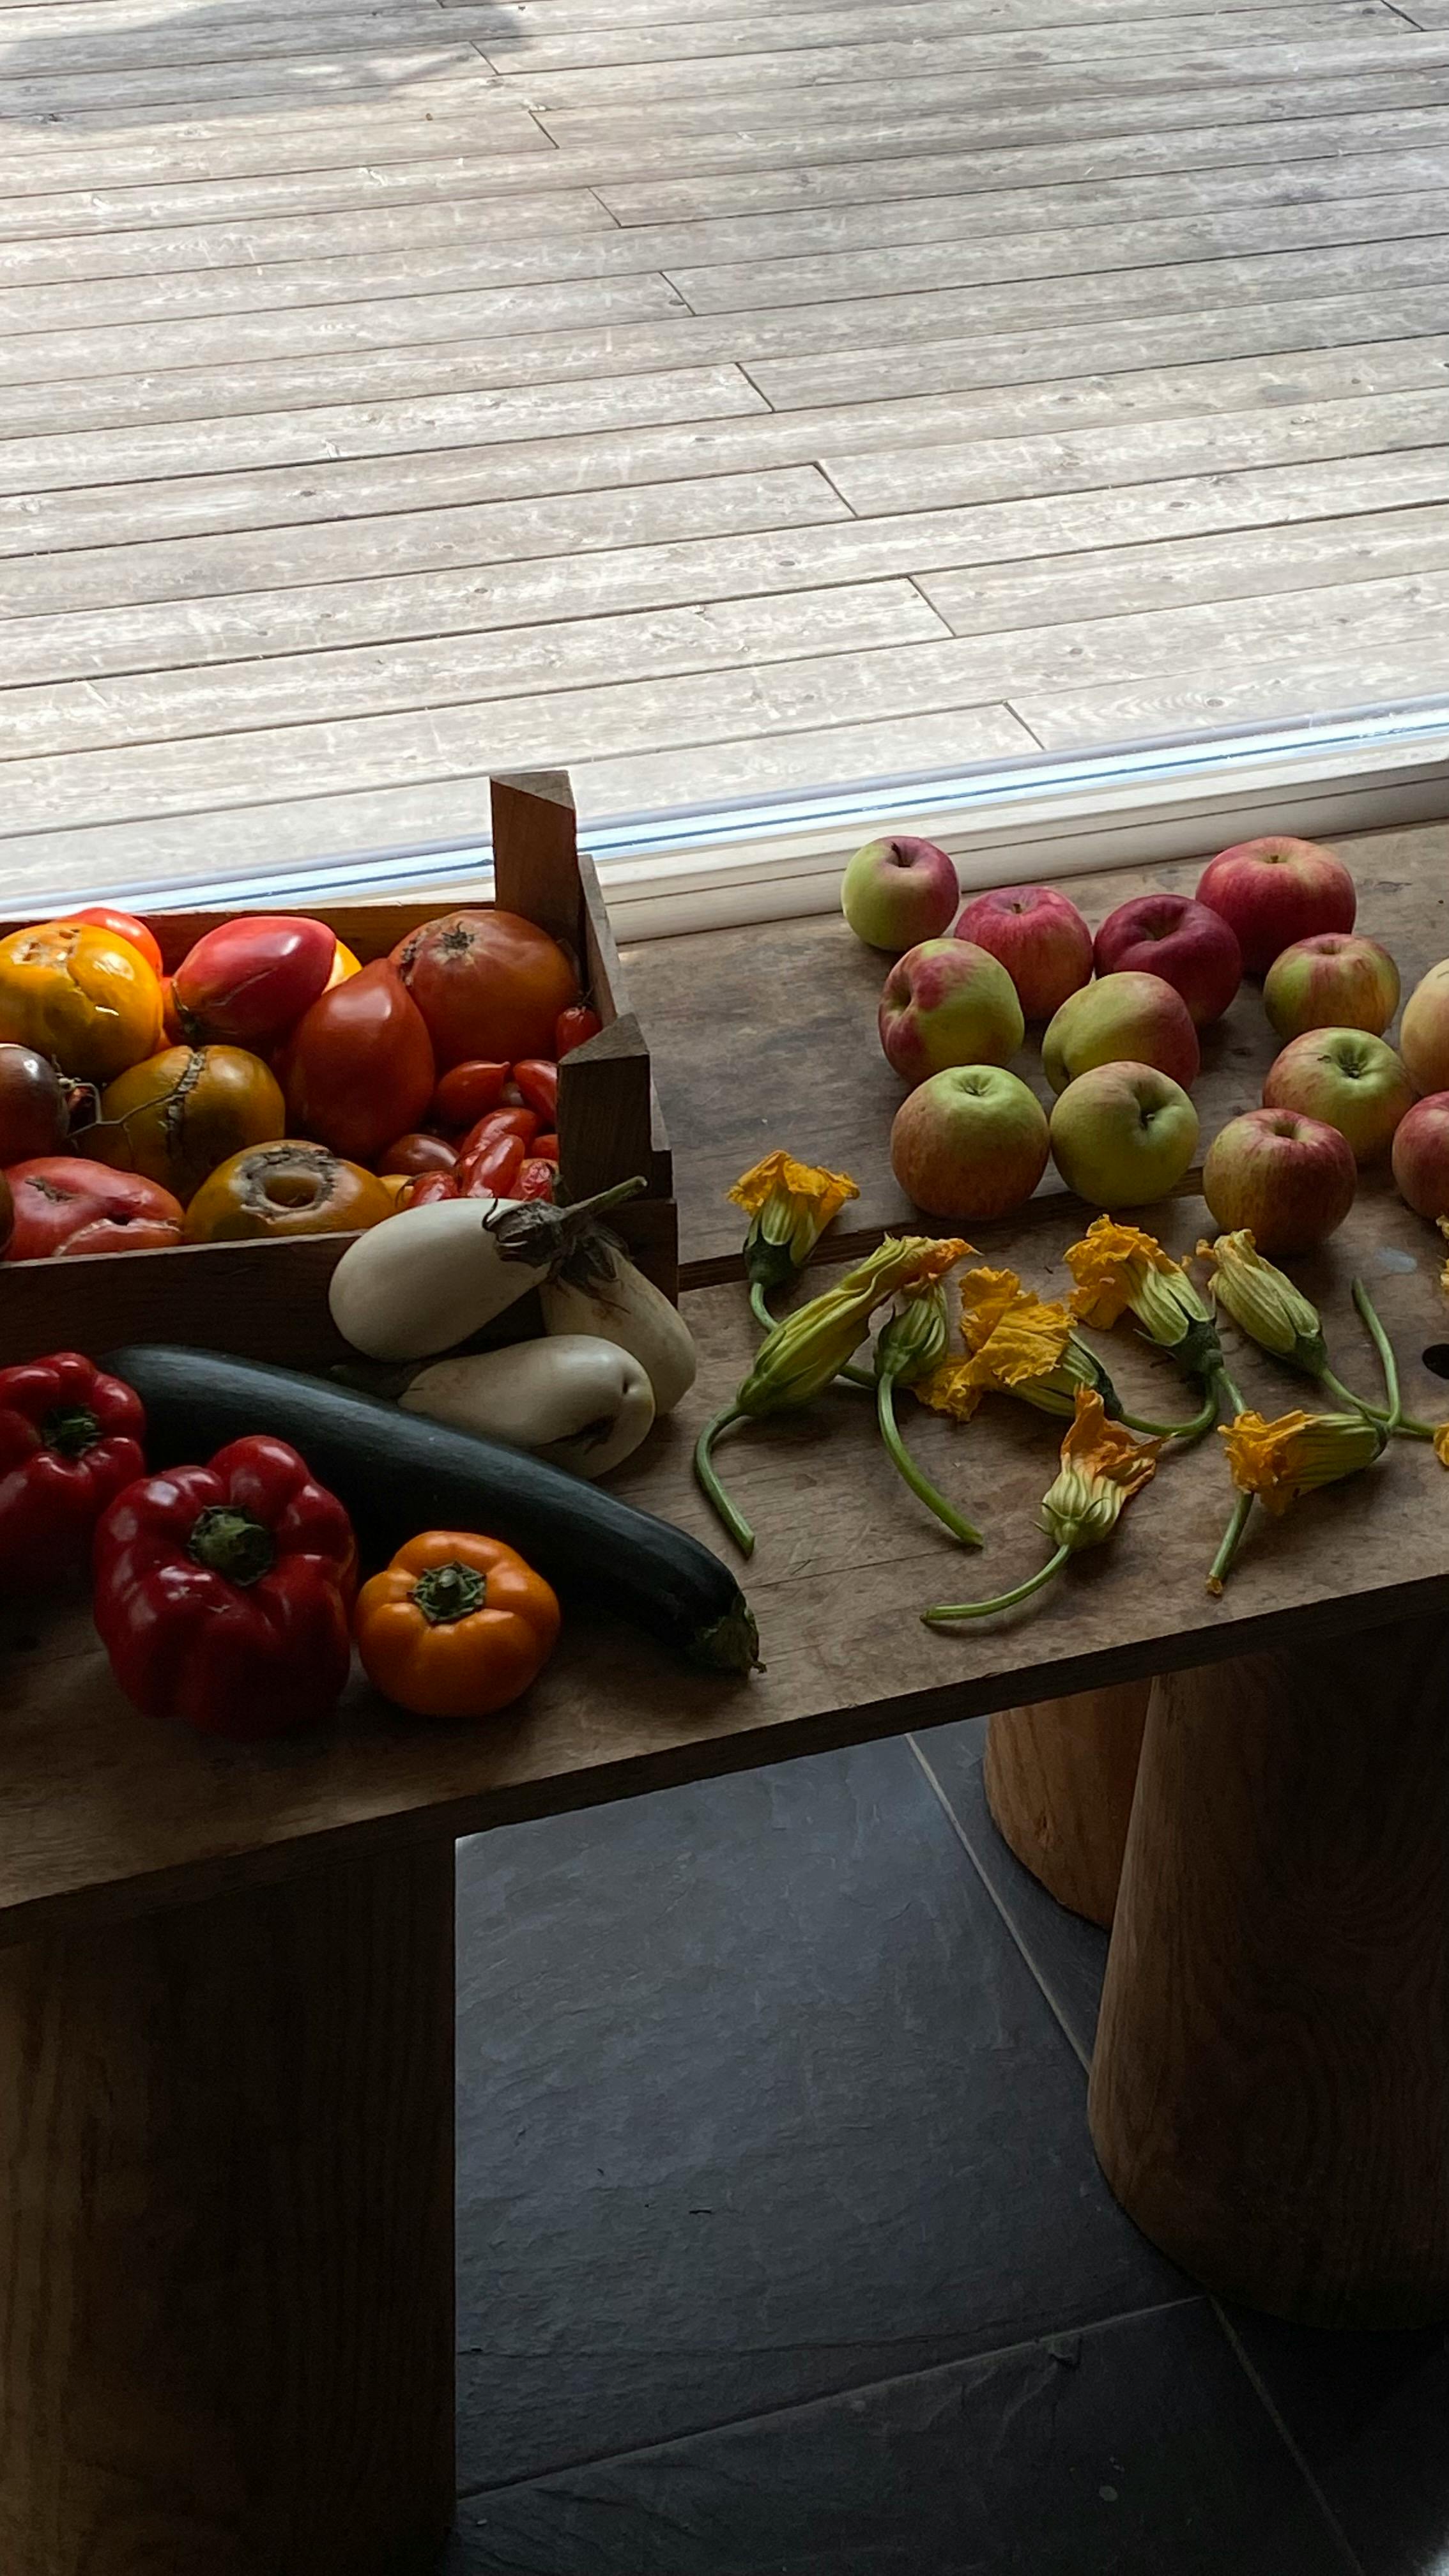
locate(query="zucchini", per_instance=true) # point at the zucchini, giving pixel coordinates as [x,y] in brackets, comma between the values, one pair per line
[397,1473]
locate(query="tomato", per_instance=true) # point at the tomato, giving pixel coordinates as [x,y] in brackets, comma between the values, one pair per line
[487,983]
[80,996]
[178,1115]
[171,1028]
[544,1149]
[522,1123]
[358,1069]
[33,1115]
[424,1189]
[293,1187]
[575,1028]
[490,1171]
[466,1093]
[397,1186]
[343,965]
[64,1204]
[7,1214]
[250,980]
[123,925]
[534,1179]
[537,1080]
[417,1153]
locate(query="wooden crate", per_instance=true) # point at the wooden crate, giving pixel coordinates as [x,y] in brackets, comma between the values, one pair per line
[268,1300]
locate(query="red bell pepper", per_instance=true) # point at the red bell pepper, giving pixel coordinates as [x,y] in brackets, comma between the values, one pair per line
[490,1171]
[70,1440]
[534,1179]
[222,1593]
[573,1028]
[538,1082]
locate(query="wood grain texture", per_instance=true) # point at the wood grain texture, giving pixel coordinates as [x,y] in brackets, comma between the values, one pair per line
[1059,1780]
[1270,2089]
[226,2229]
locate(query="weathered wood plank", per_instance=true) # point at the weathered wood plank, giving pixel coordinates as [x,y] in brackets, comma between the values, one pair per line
[1139,711]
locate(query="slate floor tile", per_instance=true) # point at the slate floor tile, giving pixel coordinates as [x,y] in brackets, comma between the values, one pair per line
[1133,2449]
[1370,2414]
[758,2101]
[1067,1954]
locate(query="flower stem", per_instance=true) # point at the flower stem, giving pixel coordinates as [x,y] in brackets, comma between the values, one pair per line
[1408,1426]
[734,1521]
[1231,1541]
[760,1306]
[854,1376]
[905,1465]
[1189,1433]
[942,1617]
[1387,1362]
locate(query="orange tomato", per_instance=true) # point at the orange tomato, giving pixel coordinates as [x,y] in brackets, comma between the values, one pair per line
[81,996]
[124,925]
[344,964]
[293,1187]
[457,1626]
[488,984]
[179,1114]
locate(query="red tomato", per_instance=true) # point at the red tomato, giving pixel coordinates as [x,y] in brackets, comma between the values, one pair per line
[487,983]
[491,1170]
[34,1118]
[7,1214]
[418,1154]
[545,1149]
[537,1080]
[522,1123]
[575,1028]
[64,1204]
[534,1179]
[358,1069]
[464,1094]
[125,925]
[250,980]
[427,1188]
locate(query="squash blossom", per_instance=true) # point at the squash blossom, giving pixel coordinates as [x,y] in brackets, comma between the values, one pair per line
[908,1350]
[1102,1467]
[1018,1345]
[1264,1304]
[789,1206]
[1117,1267]
[799,1356]
[1278,1461]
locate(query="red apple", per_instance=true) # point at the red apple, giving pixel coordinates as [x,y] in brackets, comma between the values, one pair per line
[1275,891]
[1421,1156]
[1336,981]
[1424,1030]
[1349,1079]
[1290,1179]
[970,1143]
[1123,1134]
[948,1003]
[1122,1019]
[896,893]
[1041,940]
[1191,948]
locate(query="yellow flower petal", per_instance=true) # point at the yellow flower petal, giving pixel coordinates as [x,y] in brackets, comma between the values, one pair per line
[950,1388]
[824,1192]
[1441,1444]
[1102,1468]
[1277,1461]
[1110,1263]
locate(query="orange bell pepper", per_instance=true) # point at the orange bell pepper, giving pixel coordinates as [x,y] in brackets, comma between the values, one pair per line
[457,1626]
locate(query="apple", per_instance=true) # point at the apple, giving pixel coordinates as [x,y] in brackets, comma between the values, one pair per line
[1424,1030]
[970,1143]
[1122,1019]
[1333,981]
[1273,892]
[1421,1156]
[1349,1079]
[947,1003]
[1122,1134]
[896,893]
[1041,940]
[1290,1179]
[1191,948]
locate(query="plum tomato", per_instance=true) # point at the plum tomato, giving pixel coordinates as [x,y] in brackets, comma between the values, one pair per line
[34,1117]
[534,1179]
[250,980]
[291,1187]
[575,1028]
[7,1214]
[418,1153]
[466,1093]
[64,1204]
[81,996]
[487,983]
[358,1069]
[537,1080]
[500,1122]
[425,1189]
[179,1114]
[123,925]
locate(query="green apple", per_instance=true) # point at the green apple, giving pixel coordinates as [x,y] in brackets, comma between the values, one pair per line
[1123,1134]
[1127,1018]
[1348,1079]
[895,893]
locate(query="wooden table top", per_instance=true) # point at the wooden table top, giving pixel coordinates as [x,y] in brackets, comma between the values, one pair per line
[108,1813]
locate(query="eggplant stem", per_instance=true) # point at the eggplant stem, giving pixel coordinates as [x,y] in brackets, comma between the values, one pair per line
[1387,1362]
[905,1466]
[942,1616]
[704,1469]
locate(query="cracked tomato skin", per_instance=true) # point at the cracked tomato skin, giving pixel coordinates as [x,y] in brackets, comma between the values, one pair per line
[81,996]
[178,1115]
[489,985]
[250,980]
[123,925]
[64,1204]
[70,1441]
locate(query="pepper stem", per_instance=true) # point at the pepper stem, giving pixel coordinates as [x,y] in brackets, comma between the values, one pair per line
[714,1492]
[905,1466]
[942,1616]
[1387,1362]
[71,1429]
[231,1543]
[448,1592]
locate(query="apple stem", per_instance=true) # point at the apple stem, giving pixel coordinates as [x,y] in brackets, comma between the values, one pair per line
[1387,1362]
[734,1521]
[1232,1540]
[905,1466]
[942,1616]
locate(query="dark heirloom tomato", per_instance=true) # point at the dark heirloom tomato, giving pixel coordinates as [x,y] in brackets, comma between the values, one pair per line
[125,925]
[289,1188]
[487,983]
[7,1213]
[359,1070]
[417,1153]
[180,1114]
[250,980]
[64,1204]
[33,1115]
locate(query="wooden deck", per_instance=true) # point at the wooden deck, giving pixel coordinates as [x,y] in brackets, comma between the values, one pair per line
[713,399]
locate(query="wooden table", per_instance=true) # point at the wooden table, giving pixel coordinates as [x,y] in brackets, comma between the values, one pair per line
[226,1975]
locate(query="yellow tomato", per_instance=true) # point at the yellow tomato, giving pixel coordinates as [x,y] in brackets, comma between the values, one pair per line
[344,964]
[289,1188]
[179,1114]
[80,995]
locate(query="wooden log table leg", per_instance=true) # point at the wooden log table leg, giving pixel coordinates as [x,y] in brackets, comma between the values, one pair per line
[1059,1777]
[1270,2093]
[226,2233]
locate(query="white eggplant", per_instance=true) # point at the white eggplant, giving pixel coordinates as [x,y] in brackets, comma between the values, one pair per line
[427,1278]
[607,1296]
[581,1403]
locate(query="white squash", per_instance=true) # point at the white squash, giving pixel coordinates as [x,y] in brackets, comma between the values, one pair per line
[581,1403]
[615,1301]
